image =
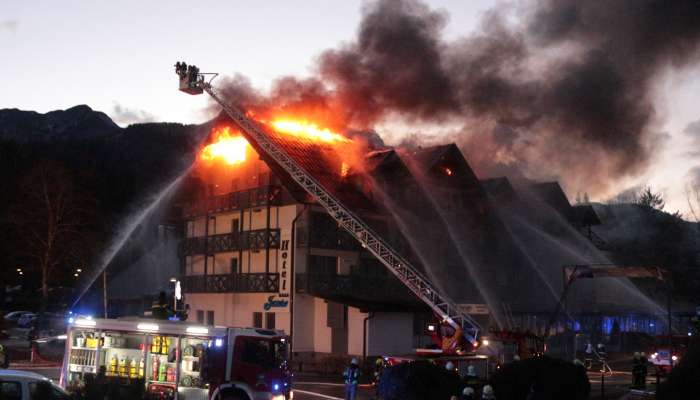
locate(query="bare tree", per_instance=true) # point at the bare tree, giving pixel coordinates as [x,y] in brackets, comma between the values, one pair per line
[52,217]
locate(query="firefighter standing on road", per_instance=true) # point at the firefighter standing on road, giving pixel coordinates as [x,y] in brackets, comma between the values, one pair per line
[352,378]
[644,362]
[588,359]
[636,371]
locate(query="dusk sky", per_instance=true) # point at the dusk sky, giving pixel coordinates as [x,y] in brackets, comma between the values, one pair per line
[118,57]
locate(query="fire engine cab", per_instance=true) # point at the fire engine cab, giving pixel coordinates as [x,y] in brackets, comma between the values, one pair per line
[177,360]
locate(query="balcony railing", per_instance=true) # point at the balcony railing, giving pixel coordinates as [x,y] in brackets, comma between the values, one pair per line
[255,197]
[232,283]
[258,239]
[379,289]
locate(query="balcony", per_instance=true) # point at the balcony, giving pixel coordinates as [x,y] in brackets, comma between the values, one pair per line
[379,292]
[258,239]
[232,283]
[255,197]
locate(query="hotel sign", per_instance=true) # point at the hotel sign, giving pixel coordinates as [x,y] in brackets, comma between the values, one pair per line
[284,265]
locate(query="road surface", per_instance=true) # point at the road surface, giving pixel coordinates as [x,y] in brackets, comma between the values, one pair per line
[307,388]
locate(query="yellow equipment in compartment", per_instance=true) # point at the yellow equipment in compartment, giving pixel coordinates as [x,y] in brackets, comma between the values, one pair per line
[123,367]
[133,369]
[112,368]
[160,345]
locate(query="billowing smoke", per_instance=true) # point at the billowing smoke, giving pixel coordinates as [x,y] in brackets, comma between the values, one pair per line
[563,90]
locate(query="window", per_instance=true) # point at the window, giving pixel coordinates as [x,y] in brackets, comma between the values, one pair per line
[210,317]
[200,316]
[45,392]
[270,320]
[323,265]
[210,265]
[235,225]
[212,225]
[257,320]
[190,228]
[10,390]
[188,265]
[234,185]
[234,266]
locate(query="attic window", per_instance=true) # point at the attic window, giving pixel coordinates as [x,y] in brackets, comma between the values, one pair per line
[448,171]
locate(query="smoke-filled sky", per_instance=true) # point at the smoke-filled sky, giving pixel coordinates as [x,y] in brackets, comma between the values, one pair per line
[600,95]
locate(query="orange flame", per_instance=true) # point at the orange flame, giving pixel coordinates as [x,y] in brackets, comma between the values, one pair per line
[309,130]
[228,148]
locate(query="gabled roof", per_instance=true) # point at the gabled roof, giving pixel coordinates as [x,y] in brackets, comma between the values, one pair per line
[499,188]
[553,195]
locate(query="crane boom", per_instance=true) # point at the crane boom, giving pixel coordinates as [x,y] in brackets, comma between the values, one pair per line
[448,310]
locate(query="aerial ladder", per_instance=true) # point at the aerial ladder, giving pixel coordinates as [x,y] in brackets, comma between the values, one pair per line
[194,82]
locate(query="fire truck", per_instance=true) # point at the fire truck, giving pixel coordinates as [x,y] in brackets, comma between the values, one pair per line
[668,351]
[177,360]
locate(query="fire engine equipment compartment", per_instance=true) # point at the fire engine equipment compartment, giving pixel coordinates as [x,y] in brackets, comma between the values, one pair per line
[175,359]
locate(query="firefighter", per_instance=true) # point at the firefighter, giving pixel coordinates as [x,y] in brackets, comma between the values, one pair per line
[4,357]
[471,379]
[588,358]
[450,367]
[378,369]
[468,394]
[644,369]
[352,378]
[487,393]
[602,353]
[636,370]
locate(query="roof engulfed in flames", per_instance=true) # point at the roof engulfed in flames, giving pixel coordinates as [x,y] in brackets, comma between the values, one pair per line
[230,147]
[227,147]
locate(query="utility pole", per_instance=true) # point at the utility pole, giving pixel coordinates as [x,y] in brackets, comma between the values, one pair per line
[104,291]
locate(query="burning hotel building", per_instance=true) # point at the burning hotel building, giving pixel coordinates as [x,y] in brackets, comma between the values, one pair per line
[258,251]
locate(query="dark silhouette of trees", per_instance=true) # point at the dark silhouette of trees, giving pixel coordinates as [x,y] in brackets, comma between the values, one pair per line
[53,219]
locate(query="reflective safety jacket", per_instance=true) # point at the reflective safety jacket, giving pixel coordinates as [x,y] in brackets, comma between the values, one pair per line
[351,375]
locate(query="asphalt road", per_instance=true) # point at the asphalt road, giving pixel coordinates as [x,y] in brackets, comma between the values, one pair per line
[616,385]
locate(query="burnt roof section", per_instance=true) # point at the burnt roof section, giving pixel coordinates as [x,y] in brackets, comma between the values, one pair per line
[320,160]
[499,188]
[553,195]
[585,215]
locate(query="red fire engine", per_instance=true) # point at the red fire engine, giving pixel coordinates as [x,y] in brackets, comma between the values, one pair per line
[178,360]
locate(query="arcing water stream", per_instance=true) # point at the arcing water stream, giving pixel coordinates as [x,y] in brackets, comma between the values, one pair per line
[128,226]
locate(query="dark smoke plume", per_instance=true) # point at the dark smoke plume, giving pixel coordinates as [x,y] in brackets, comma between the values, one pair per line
[566,91]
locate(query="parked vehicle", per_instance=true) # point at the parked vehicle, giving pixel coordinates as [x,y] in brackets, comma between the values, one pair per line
[14,316]
[26,320]
[197,362]
[24,385]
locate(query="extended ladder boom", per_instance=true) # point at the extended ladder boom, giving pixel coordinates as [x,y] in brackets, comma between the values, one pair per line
[447,309]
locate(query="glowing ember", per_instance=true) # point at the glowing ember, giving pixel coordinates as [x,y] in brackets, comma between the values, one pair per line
[307,130]
[229,148]
[344,169]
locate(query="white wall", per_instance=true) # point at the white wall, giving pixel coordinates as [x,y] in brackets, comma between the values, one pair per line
[304,323]
[322,333]
[235,309]
[390,333]
[355,331]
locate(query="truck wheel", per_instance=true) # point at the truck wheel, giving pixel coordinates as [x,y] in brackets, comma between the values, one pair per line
[234,396]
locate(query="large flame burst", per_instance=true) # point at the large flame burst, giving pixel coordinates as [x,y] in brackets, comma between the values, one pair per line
[308,130]
[227,147]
